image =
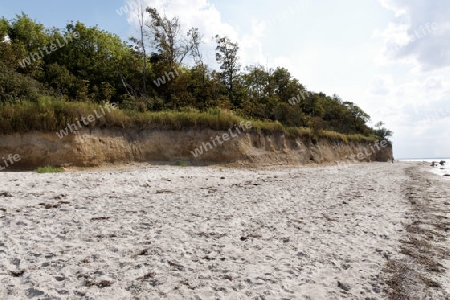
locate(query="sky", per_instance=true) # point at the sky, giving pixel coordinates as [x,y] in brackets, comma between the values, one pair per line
[390,57]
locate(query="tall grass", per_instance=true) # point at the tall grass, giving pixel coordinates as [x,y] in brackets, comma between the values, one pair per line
[52,115]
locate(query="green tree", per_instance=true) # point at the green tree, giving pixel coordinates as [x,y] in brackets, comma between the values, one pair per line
[29,38]
[227,57]
[358,118]
[97,57]
[167,39]
[140,45]
[194,49]
[381,132]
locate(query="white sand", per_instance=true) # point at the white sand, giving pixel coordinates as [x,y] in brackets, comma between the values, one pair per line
[185,233]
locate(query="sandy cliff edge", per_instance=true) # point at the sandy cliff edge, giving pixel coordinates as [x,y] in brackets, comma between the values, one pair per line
[95,147]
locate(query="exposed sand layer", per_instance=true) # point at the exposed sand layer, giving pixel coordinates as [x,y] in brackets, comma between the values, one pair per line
[210,233]
[97,147]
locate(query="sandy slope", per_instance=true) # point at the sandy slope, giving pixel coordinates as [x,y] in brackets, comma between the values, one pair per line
[202,233]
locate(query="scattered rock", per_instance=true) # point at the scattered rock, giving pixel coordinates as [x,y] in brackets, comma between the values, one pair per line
[99,218]
[31,292]
[255,236]
[344,286]
[50,206]
[143,252]
[17,273]
[176,265]
[63,292]
[164,192]
[16,262]
[102,236]
[147,276]
[301,254]
[5,194]
[376,288]
[101,284]
[229,277]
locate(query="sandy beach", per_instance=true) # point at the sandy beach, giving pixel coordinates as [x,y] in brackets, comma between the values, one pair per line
[365,231]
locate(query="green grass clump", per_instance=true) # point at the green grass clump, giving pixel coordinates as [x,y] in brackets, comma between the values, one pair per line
[49,170]
[295,132]
[181,164]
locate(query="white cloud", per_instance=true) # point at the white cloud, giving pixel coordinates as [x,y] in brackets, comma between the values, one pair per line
[286,12]
[381,85]
[205,16]
[432,83]
[420,33]
[418,112]
[416,52]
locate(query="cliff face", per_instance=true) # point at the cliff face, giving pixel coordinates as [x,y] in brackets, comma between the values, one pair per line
[99,146]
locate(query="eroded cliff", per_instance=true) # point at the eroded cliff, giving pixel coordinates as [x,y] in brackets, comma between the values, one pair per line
[95,147]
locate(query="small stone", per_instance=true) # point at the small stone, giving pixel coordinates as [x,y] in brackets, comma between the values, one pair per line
[17,273]
[31,292]
[344,286]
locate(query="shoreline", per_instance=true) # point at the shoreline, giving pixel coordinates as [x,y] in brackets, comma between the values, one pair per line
[422,270]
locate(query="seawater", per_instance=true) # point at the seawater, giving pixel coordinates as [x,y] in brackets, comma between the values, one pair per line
[439,170]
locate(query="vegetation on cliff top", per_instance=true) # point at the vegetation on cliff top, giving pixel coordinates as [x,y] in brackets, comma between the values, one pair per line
[51,77]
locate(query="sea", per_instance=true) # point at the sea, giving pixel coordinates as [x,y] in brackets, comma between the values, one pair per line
[439,170]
